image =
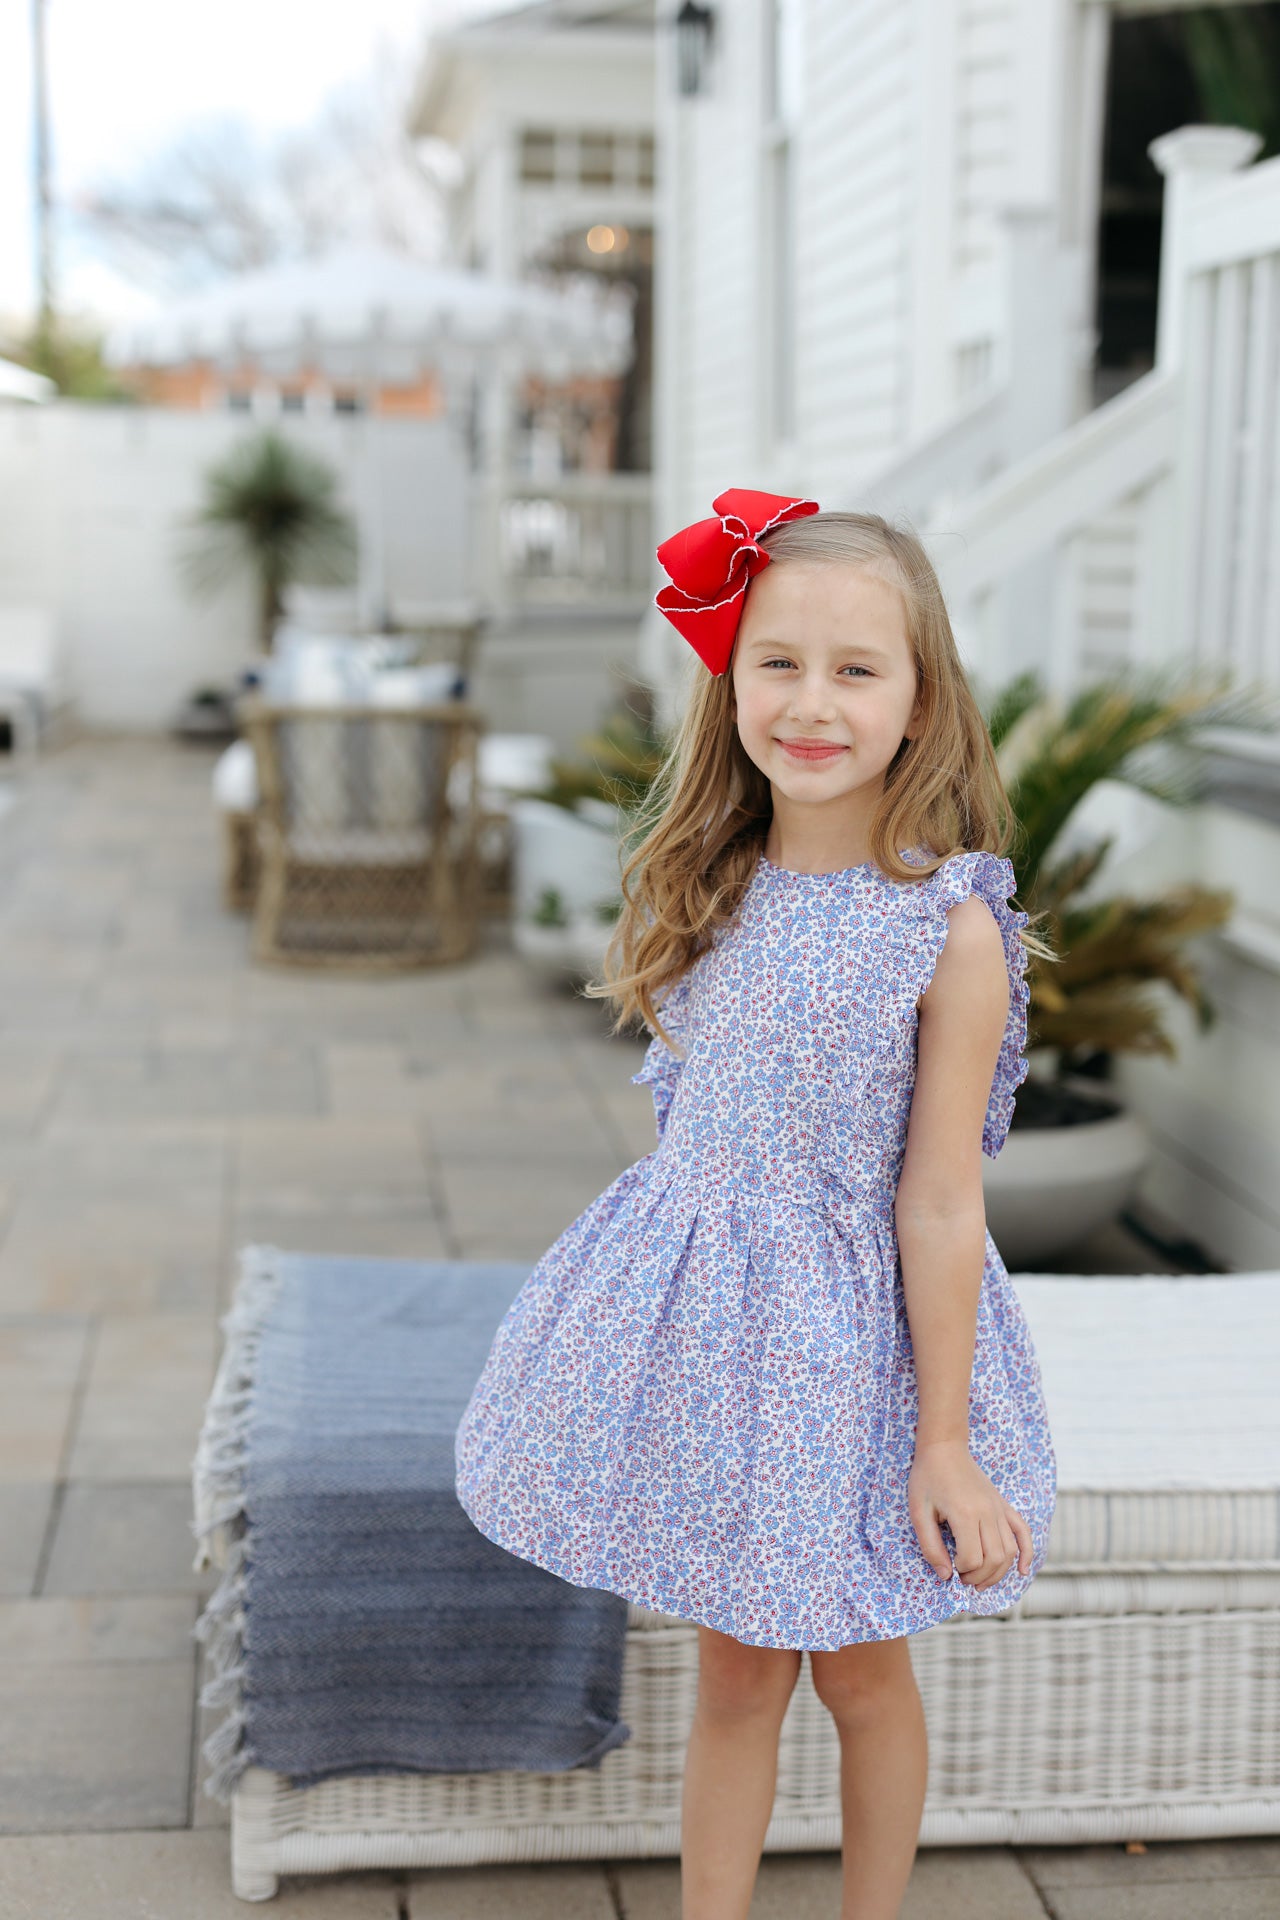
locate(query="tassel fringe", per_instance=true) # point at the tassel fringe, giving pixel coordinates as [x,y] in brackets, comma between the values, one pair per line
[220,1524]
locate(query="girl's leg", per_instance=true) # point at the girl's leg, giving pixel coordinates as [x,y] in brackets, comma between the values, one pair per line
[871,1694]
[731,1772]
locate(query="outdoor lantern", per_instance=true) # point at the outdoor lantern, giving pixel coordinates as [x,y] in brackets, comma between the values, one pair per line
[694,26]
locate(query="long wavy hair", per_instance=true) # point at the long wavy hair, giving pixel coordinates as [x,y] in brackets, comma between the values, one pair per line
[703,827]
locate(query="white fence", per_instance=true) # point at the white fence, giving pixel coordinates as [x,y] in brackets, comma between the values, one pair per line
[90,503]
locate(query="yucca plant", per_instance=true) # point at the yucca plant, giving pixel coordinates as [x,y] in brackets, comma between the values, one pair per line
[620,763]
[1101,995]
[269,510]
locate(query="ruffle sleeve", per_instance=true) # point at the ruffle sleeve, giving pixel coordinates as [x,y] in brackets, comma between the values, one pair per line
[992,877]
[662,1066]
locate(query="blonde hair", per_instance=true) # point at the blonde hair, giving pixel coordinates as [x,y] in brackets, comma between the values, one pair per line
[704,824]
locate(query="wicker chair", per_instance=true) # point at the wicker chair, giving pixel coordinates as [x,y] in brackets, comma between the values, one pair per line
[366,833]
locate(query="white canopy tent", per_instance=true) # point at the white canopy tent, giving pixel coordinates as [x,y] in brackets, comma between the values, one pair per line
[359,307]
[368,317]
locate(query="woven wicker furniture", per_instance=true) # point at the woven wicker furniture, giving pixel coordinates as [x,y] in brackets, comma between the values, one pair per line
[366,833]
[239,861]
[1135,1693]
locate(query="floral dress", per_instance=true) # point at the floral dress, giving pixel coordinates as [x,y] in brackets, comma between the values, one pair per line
[703,1397]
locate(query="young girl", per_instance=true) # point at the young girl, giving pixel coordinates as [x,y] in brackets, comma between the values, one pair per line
[775,1380]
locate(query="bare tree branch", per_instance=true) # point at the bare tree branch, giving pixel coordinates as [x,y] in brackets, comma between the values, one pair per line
[225,199]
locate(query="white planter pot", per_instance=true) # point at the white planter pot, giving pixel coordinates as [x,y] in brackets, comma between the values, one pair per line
[1049,1188]
[563,954]
[591,936]
[547,951]
[553,848]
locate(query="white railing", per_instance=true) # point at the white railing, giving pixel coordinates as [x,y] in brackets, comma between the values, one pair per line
[1123,447]
[579,542]
[1092,508]
[947,465]
[1156,517]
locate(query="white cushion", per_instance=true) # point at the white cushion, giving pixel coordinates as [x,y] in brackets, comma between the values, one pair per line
[1164,1414]
[512,763]
[28,649]
[235,779]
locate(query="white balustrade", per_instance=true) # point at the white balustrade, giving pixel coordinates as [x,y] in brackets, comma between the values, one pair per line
[580,540]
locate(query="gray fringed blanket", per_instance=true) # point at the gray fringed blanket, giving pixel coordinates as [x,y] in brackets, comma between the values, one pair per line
[362,1623]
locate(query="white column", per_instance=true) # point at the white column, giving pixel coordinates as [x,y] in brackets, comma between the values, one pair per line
[657,641]
[1088,53]
[495,368]
[1190,158]
[929,398]
[1035,605]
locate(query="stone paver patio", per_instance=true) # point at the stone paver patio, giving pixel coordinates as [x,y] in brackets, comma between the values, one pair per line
[162,1103]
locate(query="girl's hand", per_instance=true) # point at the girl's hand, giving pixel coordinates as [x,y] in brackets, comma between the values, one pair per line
[946,1483]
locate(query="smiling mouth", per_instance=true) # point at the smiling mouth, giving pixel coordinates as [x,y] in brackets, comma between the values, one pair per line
[811,750]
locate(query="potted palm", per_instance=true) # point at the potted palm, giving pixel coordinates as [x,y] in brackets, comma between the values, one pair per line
[566,844]
[269,511]
[1074,1153]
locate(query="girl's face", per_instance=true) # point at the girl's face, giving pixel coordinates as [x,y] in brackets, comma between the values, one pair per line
[824,680]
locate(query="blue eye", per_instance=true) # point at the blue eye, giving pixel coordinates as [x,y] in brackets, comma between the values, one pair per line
[781,660]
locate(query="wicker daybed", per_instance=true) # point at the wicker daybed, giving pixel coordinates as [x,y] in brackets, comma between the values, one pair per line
[1133,1695]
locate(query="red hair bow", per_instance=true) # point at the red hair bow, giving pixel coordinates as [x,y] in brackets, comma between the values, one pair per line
[711,564]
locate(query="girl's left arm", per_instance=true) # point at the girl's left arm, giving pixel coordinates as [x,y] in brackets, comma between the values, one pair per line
[941,1229]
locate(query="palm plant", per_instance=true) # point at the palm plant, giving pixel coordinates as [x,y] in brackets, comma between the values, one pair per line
[1138,728]
[269,510]
[620,763]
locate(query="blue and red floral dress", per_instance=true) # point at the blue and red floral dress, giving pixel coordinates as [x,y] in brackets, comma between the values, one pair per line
[703,1397]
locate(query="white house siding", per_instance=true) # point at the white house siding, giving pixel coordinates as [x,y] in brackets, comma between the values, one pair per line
[920,122]
[854,226]
[1107,557]
[986,42]
[905,151]
[853,219]
[708,251]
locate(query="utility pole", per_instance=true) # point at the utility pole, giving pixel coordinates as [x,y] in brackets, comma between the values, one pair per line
[43,192]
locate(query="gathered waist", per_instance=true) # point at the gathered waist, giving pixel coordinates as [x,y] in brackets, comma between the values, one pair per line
[752,1176]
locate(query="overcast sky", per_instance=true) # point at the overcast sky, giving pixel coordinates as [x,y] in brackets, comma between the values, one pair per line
[125,76]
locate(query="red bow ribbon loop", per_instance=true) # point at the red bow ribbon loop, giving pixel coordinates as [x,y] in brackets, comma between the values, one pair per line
[711,564]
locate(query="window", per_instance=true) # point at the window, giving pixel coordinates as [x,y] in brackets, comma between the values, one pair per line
[595,159]
[538,155]
[590,157]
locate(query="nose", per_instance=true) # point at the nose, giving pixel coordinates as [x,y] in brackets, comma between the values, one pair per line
[812,701]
